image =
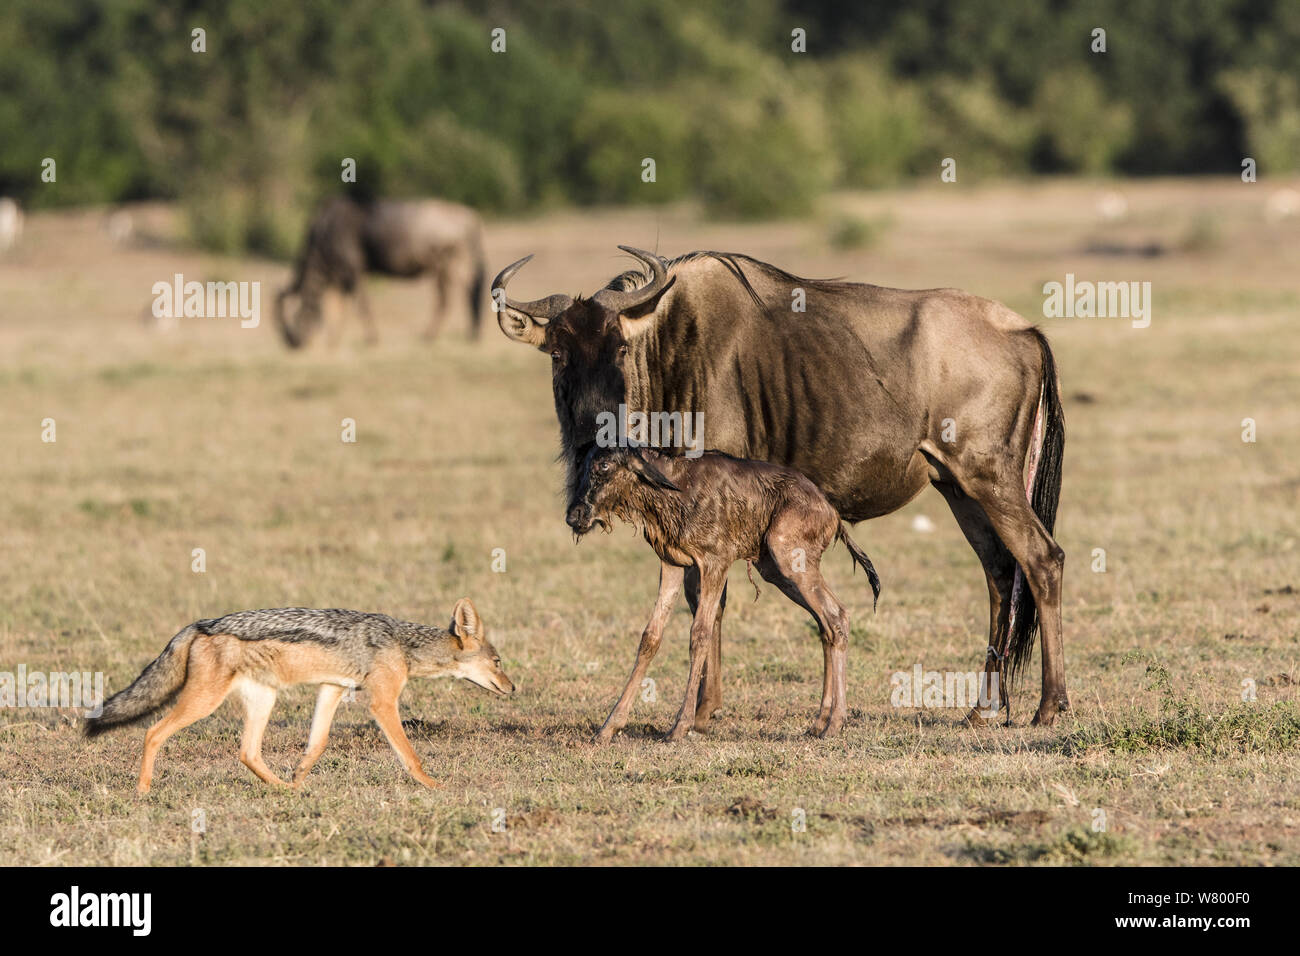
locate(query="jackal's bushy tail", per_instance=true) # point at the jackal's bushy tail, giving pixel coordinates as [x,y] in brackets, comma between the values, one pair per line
[860,558]
[153,689]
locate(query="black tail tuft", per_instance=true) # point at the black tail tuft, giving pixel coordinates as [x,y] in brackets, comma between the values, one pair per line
[1044,497]
[860,558]
[156,687]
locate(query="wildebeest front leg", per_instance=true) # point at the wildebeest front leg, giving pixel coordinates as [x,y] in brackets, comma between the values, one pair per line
[441,296]
[670,583]
[713,581]
[367,318]
[710,696]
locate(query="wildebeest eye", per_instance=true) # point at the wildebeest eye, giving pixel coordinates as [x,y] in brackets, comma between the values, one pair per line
[605,465]
[557,355]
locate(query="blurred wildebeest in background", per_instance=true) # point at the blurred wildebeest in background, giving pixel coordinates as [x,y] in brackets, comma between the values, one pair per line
[404,238]
[871,392]
[11,222]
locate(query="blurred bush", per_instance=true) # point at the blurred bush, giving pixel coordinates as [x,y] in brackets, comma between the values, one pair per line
[1269,104]
[251,134]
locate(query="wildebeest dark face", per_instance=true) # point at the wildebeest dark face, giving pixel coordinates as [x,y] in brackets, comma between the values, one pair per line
[587,351]
[605,484]
[587,345]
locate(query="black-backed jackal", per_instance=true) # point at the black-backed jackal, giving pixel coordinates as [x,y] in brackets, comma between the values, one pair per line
[259,652]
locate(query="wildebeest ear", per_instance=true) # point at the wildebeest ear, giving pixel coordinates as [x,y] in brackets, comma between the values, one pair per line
[466,626]
[640,320]
[521,327]
[648,472]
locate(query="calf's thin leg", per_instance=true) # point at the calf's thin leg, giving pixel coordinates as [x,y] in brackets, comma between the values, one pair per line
[710,696]
[713,580]
[809,590]
[670,583]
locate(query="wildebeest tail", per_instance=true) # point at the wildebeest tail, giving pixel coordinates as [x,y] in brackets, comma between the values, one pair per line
[860,558]
[156,687]
[1044,495]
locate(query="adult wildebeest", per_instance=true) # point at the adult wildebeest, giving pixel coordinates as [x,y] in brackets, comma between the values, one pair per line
[406,238]
[871,392]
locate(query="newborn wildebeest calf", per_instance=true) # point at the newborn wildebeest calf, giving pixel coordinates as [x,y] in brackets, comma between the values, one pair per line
[710,512]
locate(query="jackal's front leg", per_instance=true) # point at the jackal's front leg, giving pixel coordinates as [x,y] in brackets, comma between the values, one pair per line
[327,702]
[385,688]
[670,582]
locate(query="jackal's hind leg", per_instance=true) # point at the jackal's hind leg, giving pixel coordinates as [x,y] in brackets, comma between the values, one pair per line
[205,688]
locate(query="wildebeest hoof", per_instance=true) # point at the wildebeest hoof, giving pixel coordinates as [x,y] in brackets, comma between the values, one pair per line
[1048,711]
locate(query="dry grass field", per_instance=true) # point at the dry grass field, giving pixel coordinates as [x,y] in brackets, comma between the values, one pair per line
[211,436]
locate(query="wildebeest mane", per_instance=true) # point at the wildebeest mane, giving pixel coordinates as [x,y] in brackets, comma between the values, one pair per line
[635,278]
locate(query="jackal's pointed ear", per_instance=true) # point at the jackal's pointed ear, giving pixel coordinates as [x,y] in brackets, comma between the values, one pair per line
[640,465]
[466,626]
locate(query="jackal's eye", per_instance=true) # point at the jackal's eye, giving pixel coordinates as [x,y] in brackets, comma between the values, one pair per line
[605,466]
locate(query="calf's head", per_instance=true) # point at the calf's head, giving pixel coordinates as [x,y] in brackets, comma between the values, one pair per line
[608,485]
[587,340]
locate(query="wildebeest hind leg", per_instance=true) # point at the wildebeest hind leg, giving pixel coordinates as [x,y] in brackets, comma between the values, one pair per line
[1042,562]
[999,572]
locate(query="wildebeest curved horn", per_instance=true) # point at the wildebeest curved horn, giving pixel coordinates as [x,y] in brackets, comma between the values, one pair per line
[547,308]
[624,301]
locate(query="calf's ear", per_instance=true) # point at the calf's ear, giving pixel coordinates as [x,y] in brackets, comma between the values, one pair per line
[648,472]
